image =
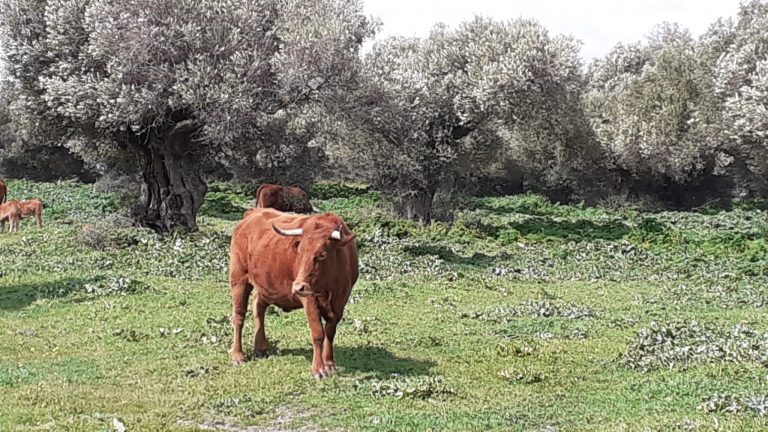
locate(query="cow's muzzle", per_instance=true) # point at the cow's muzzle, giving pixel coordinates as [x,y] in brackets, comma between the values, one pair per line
[301,289]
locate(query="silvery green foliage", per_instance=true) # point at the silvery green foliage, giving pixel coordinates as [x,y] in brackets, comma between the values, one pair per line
[681,344]
[741,80]
[640,100]
[430,109]
[707,122]
[533,309]
[423,387]
[99,67]
[732,404]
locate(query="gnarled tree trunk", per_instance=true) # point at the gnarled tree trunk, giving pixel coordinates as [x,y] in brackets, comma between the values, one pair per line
[172,189]
[417,205]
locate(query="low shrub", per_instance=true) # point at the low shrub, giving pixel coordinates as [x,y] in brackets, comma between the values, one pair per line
[114,232]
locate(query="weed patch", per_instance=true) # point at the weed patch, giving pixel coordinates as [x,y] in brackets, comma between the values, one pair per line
[533,309]
[522,376]
[732,404]
[410,387]
[681,344]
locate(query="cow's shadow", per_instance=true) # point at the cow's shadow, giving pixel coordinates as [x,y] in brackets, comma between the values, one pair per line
[370,360]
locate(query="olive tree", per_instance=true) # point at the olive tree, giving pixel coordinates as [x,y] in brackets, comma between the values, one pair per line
[426,108]
[641,102]
[177,85]
[741,84]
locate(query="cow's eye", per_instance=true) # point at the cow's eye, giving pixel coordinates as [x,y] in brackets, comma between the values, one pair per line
[322,256]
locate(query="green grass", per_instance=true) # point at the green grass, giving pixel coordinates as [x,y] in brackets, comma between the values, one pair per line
[520,315]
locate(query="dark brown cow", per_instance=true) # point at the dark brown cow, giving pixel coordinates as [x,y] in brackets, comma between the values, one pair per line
[31,207]
[11,212]
[3,192]
[284,198]
[292,261]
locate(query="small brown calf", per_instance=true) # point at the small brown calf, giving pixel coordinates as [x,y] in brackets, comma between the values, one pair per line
[11,212]
[29,208]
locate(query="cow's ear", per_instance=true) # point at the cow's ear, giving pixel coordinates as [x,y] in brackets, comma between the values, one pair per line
[348,238]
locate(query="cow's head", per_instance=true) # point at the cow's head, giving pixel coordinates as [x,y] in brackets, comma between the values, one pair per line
[317,241]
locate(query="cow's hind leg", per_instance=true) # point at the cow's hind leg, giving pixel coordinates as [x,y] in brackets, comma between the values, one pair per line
[241,290]
[260,342]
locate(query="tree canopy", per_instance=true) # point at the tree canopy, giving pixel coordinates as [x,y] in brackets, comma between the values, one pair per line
[429,108]
[278,89]
[178,84]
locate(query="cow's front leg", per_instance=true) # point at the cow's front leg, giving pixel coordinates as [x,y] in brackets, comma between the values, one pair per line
[241,290]
[318,336]
[260,343]
[330,332]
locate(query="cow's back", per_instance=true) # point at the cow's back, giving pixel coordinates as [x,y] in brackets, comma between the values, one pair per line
[297,200]
[283,198]
[30,207]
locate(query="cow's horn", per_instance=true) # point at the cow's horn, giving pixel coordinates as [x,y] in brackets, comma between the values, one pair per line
[289,232]
[336,235]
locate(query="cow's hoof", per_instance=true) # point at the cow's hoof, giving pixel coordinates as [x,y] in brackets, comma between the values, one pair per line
[330,369]
[260,354]
[320,375]
[238,360]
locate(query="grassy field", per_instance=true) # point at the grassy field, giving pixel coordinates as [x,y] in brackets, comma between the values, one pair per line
[521,315]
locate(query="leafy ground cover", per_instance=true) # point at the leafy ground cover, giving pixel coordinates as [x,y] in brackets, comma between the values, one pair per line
[519,315]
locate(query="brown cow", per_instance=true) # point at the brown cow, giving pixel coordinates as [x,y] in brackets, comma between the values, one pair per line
[3,192]
[292,261]
[284,198]
[12,212]
[31,207]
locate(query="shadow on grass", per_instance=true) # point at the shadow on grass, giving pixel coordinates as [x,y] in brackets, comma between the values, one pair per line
[368,359]
[20,295]
[477,259]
